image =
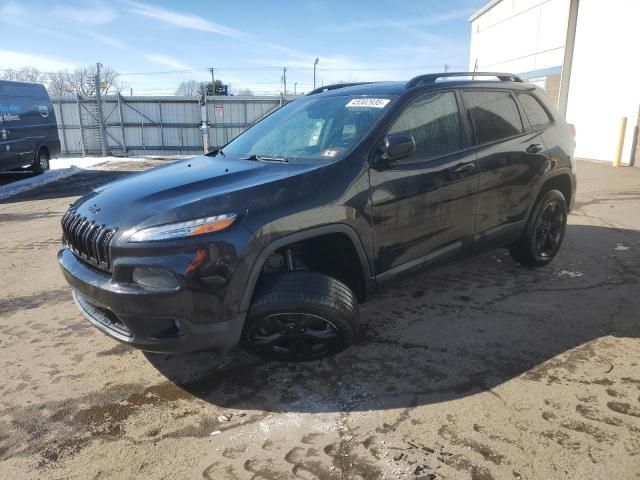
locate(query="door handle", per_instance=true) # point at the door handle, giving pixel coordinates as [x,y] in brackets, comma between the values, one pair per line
[534,148]
[464,169]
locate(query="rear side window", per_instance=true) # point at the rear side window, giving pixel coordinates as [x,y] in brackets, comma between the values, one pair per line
[494,115]
[434,122]
[535,112]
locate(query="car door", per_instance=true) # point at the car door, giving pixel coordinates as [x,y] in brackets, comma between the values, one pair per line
[423,206]
[511,159]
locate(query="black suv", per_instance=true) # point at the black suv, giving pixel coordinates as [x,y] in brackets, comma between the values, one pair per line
[273,240]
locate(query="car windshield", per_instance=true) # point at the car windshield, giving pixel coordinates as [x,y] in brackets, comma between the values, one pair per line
[311,129]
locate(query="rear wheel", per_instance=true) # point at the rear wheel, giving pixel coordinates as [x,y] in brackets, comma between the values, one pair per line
[544,233]
[41,162]
[298,316]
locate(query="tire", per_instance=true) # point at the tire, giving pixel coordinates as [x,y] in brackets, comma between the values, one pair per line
[300,316]
[544,233]
[41,162]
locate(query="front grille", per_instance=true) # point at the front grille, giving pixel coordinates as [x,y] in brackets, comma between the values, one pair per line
[88,239]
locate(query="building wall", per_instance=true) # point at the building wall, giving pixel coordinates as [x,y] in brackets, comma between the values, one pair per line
[604,79]
[519,35]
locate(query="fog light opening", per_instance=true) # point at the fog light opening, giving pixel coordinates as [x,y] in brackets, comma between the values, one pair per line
[154,278]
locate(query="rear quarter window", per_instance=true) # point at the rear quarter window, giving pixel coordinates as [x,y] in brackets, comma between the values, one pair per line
[535,112]
[494,115]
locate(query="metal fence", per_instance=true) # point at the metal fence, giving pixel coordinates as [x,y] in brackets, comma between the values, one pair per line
[155,125]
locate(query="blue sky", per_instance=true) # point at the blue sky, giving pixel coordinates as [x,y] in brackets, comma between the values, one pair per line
[247,42]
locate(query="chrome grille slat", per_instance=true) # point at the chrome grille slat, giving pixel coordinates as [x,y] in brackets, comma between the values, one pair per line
[89,240]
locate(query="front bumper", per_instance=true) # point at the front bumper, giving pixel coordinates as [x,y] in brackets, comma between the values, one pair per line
[152,321]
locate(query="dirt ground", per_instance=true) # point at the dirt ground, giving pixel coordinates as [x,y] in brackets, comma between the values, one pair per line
[478,370]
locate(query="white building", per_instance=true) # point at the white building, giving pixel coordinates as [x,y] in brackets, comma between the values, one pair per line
[583,52]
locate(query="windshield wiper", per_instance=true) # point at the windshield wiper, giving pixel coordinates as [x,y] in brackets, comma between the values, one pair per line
[265,158]
[215,153]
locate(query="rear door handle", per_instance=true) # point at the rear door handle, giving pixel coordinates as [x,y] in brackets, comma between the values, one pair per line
[534,148]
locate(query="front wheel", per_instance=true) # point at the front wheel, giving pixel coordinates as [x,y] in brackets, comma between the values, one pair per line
[544,232]
[298,316]
[40,163]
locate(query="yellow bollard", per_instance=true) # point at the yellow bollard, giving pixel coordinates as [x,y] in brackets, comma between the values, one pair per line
[622,129]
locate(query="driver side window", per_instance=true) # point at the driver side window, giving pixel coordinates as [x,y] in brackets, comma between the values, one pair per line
[434,122]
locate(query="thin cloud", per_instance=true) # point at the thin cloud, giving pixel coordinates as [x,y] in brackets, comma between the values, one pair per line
[11,10]
[193,22]
[106,39]
[184,20]
[168,61]
[402,23]
[15,59]
[92,13]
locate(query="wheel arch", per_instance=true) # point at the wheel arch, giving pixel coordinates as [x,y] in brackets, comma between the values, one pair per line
[308,234]
[41,148]
[559,179]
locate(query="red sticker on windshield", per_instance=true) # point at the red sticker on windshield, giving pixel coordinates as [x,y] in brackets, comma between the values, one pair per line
[330,152]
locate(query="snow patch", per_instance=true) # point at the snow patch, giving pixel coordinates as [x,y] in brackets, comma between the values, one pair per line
[60,168]
[570,274]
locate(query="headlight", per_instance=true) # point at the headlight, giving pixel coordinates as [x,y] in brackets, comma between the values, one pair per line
[190,228]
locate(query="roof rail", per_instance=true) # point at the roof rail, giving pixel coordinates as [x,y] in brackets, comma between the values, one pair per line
[335,86]
[432,77]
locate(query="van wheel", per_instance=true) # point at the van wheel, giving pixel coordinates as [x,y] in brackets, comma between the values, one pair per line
[544,233]
[298,316]
[41,162]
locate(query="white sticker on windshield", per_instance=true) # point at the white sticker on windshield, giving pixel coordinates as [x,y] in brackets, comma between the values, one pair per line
[368,102]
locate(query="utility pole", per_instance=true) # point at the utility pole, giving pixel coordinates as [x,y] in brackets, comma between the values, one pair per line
[315,64]
[295,88]
[213,80]
[103,133]
[284,80]
[446,68]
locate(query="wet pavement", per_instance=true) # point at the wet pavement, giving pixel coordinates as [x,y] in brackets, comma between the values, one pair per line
[478,370]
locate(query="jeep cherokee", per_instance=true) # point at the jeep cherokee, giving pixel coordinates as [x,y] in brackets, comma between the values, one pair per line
[272,240]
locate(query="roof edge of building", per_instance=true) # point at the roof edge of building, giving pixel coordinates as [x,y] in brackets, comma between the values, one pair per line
[484,9]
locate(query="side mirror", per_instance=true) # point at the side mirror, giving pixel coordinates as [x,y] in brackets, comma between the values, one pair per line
[397,146]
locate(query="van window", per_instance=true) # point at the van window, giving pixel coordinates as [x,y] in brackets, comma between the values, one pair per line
[535,112]
[434,122]
[494,115]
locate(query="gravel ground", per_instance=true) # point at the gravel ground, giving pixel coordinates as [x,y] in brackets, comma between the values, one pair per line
[481,369]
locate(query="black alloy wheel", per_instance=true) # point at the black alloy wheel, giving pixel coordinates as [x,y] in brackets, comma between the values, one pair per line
[550,229]
[544,233]
[300,315]
[298,336]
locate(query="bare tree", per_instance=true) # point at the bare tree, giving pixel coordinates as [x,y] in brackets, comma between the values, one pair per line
[59,84]
[80,81]
[245,91]
[26,74]
[190,88]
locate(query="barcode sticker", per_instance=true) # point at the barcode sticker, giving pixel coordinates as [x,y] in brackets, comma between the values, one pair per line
[368,102]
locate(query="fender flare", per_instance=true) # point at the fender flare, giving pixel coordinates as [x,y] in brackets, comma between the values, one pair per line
[342,228]
[550,175]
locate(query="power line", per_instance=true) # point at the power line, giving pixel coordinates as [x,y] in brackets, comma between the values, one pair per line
[325,69]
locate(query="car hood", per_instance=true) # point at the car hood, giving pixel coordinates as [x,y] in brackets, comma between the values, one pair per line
[187,189]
